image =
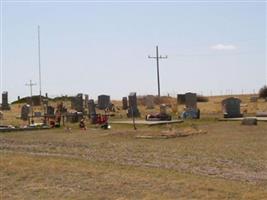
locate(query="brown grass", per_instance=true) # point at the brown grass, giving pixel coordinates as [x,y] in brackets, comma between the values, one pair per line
[229,162]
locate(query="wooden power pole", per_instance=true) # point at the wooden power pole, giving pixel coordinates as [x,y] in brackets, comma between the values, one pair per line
[157,57]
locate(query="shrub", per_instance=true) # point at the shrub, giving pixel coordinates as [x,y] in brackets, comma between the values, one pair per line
[263,92]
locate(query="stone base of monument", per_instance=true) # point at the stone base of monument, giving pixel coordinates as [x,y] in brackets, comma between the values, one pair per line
[5,107]
[249,121]
[227,115]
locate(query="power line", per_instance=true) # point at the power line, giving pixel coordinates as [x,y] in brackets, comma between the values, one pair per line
[157,58]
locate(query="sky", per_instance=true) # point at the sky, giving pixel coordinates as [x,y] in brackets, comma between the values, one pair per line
[102,47]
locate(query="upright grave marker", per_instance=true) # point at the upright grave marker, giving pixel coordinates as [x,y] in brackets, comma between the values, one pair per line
[77,102]
[103,101]
[231,107]
[149,101]
[133,110]
[5,105]
[25,111]
[124,103]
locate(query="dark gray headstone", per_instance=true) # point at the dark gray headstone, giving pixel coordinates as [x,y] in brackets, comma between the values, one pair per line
[191,100]
[103,101]
[231,107]
[25,110]
[50,110]
[77,102]
[86,99]
[133,110]
[181,98]
[5,105]
[91,108]
[124,103]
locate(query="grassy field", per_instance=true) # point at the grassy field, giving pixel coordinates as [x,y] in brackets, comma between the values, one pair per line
[228,162]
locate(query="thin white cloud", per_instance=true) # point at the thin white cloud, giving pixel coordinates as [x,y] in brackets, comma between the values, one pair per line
[223,47]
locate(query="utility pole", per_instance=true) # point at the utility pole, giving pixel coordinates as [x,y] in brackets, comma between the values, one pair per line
[30,85]
[39,59]
[157,58]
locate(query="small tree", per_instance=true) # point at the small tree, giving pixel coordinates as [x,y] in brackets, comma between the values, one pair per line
[263,92]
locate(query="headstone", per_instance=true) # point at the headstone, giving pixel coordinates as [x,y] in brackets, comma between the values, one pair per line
[77,102]
[74,117]
[50,111]
[103,101]
[249,121]
[133,110]
[86,99]
[190,111]
[149,101]
[180,98]
[231,107]
[5,105]
[37,114]
[18,98]
[25,110]
[91,108]
[124,103]
[191,100]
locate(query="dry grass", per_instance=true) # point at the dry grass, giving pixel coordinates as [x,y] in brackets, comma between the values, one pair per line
[229,162]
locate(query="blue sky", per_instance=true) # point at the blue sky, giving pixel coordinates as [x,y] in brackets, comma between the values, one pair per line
[102,48]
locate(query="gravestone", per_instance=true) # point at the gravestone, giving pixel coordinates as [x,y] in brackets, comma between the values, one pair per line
[50,110]
[133,110]
[5,105]
[103,101]
[74,117]
[37,114]
[77,102]
[124,103]
[149,101]
[249,121]
[231,107]
[191,100]
[180,98]
[25,110]
[190,111]
[91,108]
[86,99]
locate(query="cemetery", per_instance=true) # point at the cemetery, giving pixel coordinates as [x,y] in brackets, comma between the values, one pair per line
[199,138]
